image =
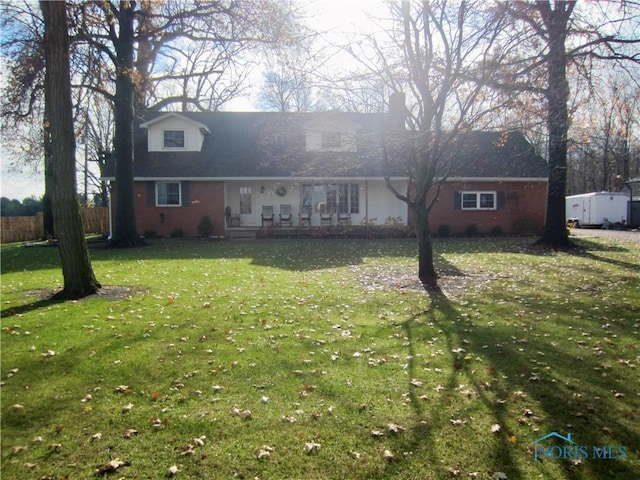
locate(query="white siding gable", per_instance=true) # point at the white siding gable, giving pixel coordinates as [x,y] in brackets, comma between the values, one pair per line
[173,132]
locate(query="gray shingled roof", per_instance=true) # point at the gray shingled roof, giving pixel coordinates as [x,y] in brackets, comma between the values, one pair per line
[269,144]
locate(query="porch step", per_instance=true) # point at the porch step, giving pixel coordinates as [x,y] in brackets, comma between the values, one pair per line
[241,234]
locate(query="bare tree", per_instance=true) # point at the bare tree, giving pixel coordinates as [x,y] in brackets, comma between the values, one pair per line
[432,48]
[59,141]
[534,58]
[286,92]
[160,54]
[183,48]
[604,134]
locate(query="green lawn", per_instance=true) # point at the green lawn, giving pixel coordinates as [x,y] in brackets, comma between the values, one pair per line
[321,359]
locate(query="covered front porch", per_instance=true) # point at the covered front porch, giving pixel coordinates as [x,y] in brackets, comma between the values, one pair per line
[293,205]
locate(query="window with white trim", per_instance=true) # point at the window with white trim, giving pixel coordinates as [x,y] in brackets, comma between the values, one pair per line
[168,194]
[173,139]
[478,200]
[245,200]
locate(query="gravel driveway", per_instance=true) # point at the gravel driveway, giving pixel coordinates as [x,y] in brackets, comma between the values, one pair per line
[626,236]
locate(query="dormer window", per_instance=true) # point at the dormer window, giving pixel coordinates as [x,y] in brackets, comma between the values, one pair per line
[173,139]
[331,140]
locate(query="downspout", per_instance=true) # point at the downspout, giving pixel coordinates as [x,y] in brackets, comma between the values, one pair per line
[110,211]
[366,202]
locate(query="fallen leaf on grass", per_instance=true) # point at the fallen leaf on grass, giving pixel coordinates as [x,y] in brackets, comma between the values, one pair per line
[172,470]
[458,422]
[96,436]
[188,450]
[393,428]
[129,432]
[311,447]
[112,466]
[18,449]
[495,428]
[199,441]
[127,407]
[387,455]
[263,452]
[499,476]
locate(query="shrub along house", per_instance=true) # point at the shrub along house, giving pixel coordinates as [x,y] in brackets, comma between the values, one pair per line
[252,170]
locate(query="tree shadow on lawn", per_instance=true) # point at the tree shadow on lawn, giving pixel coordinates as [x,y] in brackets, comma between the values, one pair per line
[587,250]
[435,413]
[44,298]
[531,387]
[573,395]
[287,254]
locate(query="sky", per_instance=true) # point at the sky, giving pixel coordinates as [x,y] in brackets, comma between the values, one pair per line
[336,17]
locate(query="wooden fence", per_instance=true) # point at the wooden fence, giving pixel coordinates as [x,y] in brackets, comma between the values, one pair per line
[22,229]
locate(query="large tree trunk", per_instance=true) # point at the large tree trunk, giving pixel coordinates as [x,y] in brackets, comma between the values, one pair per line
[555,229]
[124,232]
[79,279]
[426,270]
[47,212]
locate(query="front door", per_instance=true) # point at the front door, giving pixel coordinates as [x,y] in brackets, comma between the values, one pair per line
[246,207]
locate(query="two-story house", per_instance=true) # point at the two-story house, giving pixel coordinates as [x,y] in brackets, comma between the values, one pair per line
[323,168]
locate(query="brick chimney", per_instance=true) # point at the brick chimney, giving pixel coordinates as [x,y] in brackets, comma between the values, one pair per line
[398,109]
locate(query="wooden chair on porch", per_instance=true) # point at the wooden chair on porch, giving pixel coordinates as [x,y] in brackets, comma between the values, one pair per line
[267,215]
[326,219]
[344,219]
[233,219]
[285,215]
[305,218]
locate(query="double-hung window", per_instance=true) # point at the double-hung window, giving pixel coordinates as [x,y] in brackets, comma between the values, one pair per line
[168,194]
[478,200]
